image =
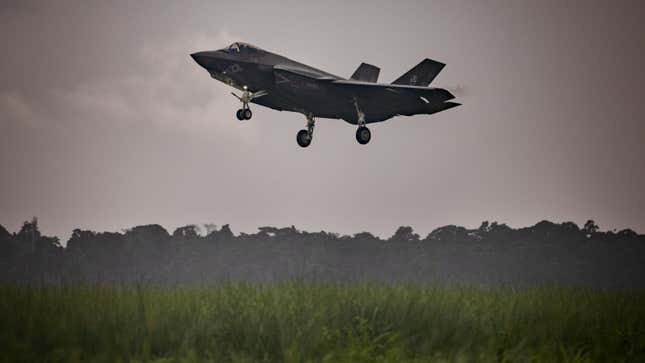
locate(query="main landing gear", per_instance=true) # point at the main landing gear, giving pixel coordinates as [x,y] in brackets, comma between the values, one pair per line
[304,137]
[363,134]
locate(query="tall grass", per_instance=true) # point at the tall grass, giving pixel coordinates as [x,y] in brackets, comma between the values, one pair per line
[309,322]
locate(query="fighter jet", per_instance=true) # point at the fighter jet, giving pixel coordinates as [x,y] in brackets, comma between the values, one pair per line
[277,82]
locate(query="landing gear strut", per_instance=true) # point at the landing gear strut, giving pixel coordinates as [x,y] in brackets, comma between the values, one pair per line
[363,134]
[304,137]
[245,113]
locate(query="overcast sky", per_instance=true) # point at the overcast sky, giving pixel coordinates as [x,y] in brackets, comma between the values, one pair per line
[107,123]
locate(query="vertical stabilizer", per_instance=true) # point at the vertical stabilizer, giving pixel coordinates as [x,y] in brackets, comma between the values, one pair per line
[366,73]
[422,74]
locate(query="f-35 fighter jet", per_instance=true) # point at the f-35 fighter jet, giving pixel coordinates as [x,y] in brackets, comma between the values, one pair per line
[274,81]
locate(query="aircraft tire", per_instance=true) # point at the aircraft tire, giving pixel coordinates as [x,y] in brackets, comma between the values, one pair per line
[303,138]
[363,135]
[247,114]
[239,114]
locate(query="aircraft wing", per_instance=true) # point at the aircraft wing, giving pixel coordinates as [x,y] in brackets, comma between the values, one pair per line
[288,71]
[367,89]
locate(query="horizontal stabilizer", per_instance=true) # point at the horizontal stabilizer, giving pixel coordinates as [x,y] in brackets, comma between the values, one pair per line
[446,106]
[366,73]
[422,74]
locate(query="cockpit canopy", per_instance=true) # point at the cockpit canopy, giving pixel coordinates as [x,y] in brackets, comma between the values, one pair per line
[239,47]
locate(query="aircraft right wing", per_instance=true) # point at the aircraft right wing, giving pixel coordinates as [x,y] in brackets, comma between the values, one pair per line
[367,89]
[418,99]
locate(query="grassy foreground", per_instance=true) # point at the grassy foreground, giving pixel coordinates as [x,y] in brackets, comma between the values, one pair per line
[308,322]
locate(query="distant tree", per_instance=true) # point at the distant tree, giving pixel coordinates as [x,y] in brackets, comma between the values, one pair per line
[223,234]
[210,227]
[4,234]
[334,235]
[149,232]
[267,231]
[405,233]
[627,233]
[189,231]
[285,233]
[78,234]
[499,227]
[365,236]
[6,243]
[590,228]
[484,227]
[28,235]
[450,233]
[570,226]
[226,231]
[545,230]
[48,244]
[289,232]
[29,231]
[544,225]
[79,240]
[144,240]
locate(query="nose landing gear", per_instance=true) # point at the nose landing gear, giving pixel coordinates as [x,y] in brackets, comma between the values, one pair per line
[245,113]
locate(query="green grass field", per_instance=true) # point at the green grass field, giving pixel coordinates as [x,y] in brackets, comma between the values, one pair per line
[308,322]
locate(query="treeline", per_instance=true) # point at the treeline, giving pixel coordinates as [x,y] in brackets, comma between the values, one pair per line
[493,254]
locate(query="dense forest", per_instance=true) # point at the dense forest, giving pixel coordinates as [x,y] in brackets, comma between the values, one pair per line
[491,255]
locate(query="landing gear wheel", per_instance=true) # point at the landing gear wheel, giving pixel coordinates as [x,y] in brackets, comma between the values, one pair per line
[247,113]
[363,135]
[240,114]
[303,138]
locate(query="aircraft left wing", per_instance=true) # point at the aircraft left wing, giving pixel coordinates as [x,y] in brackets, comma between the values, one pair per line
[425,94]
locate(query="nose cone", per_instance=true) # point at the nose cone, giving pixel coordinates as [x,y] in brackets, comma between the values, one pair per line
[202,58]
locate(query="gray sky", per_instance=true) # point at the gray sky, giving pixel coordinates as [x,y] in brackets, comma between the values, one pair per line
[107,123]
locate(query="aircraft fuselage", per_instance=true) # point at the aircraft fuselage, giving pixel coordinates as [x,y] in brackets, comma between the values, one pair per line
[277,82]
